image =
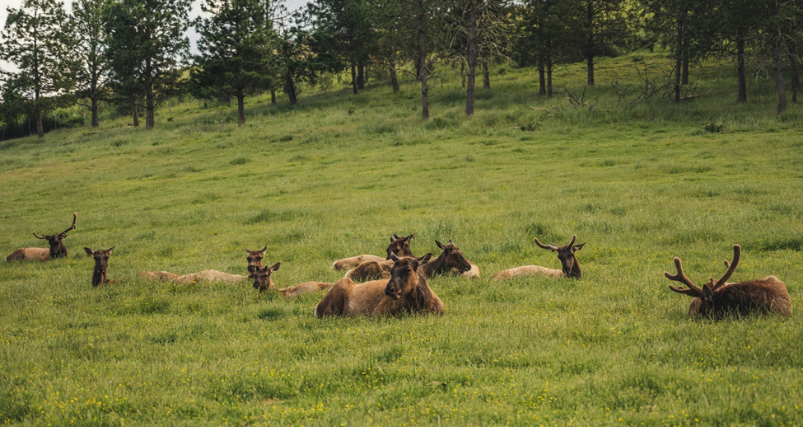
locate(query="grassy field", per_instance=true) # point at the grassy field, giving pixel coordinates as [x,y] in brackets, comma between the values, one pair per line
[335,177]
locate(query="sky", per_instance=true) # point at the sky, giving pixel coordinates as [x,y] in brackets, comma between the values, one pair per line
[196,10]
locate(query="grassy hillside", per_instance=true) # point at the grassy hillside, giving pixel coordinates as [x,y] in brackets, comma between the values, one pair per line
[335,177]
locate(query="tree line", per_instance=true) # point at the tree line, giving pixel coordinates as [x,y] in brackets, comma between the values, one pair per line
[136,52]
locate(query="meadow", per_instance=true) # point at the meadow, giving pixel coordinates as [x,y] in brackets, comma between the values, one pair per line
[335,176]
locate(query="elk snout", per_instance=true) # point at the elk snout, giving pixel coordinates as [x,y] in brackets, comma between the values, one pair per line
[394,292]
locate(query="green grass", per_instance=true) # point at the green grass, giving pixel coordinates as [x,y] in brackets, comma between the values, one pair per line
[335,177]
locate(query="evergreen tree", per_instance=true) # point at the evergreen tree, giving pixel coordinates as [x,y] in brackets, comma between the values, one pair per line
[90,52]
[236,47]
[36,39]
[145,45]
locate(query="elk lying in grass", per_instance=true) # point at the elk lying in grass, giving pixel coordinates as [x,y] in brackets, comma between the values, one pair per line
[767,295]
[263,282]
[56,250]
[101,263]
[571,268]
[450,262]
[254,262]
[398,245]
[407,291]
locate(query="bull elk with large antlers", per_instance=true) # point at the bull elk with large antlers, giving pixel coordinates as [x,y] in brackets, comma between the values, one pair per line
[407,291]
[56,250]
[398,245]
[569,264]
[767,295]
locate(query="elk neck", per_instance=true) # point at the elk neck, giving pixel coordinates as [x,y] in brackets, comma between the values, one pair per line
[434,266]
[575,272]
[99,276]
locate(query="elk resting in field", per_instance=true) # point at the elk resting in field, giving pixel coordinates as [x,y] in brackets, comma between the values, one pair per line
[101,263]
[263,282]
[57,248]
[407,291]
[254,262]
[450,262]
[398,245]
[767,295]
[571,268]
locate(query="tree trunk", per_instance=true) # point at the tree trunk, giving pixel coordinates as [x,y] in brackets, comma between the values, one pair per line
[549,76]
[541,77]
[273,96]
[422,52]
[134,114]
[685,76]
[40,129]
[778,70]
[94,113]
[589,47]
[795,77]
[679,53]
[361,75]
[472,57]
[290,87]
[463,74]
[149,107]
[740,69]
[394,79]
[354,86]
[240,107]
[486,76]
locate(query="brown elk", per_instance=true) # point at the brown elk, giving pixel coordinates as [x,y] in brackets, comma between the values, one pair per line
[398,245]
[767,295]
[450,262]
[101,263]
[407,291]
[56,250]
[254,261]
[569,264]
[263,282]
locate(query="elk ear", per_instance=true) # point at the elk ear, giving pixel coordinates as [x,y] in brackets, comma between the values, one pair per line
[394,237]
[263,250]
[88,251]
[394,257]
[248,251]
[111,249]
[275,267]
[440,245]
[708,295]
[576,248]
[424,259]
[411,237]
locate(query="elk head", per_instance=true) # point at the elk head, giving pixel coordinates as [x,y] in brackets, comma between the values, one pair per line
[705,299]
[404,276]
[453,257]
[400,245]
[261,275]
[255,259]
[569,264]
[101,263]
[57,248]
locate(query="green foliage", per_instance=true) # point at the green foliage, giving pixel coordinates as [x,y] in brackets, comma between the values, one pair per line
[640,183]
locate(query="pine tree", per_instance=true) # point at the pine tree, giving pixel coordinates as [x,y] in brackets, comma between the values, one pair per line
[90,52]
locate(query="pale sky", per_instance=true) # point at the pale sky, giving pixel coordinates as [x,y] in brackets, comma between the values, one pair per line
[196,10]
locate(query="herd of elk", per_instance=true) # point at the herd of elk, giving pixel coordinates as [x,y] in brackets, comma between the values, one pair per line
[402,279]
[56,250]
[407,291]
[767,295]
[569,264]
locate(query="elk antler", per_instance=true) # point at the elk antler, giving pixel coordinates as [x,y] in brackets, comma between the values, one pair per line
[72,227]
[693,290]
[38,236]
[737,253]
[543,246]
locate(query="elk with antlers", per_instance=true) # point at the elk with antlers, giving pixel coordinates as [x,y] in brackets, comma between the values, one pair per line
[101,263]
[767,295]
[407,291]
[263,282]
[568,261]
[398,245]
[56,250]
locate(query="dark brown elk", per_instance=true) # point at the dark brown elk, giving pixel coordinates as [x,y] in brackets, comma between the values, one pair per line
[254,261]
[101,263]
[56,250]
[451,261]
[264,282]
[398,245]
[568,261]
[407,291]
[767,295]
